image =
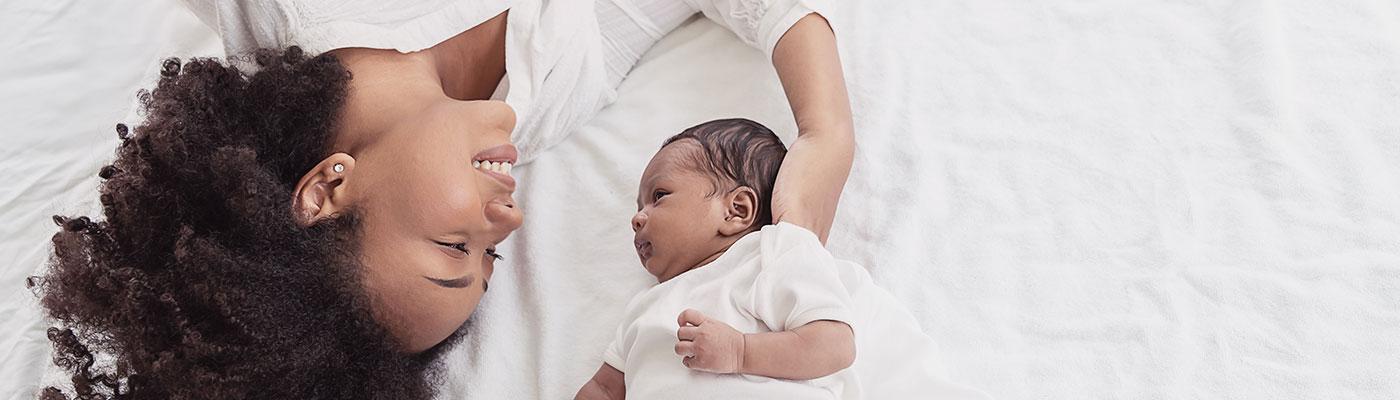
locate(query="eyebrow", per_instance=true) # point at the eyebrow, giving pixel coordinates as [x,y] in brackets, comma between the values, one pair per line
[452,283]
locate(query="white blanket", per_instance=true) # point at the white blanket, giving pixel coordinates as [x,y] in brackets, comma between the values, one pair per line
[69,71]
[1130,199]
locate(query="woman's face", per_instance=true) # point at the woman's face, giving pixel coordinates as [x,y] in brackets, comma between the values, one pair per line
[432,211]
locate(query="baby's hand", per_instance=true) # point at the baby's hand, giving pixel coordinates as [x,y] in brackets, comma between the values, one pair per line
[708,345]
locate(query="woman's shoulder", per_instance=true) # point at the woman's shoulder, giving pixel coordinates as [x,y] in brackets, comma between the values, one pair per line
[322,25]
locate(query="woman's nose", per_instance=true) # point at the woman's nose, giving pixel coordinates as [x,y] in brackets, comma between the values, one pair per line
[638,221]
[503,217]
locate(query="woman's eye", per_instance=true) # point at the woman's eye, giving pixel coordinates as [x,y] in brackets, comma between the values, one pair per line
[462,247]
[492,253]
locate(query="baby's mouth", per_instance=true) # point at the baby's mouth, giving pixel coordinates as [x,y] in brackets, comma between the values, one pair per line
[643,249]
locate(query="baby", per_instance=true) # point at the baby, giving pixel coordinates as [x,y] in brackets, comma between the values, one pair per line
[745,308]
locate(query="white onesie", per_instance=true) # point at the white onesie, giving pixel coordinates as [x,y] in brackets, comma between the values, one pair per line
[778,279]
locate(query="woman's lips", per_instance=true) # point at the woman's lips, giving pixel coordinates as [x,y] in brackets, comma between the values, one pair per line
[505,153]
[505,180]
[501,153]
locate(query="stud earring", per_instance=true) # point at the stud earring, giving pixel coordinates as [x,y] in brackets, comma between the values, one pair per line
[339,168]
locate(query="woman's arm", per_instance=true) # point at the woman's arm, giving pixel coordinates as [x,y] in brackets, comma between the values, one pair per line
[814,172]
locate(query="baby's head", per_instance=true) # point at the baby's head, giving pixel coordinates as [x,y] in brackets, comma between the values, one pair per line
[707,187]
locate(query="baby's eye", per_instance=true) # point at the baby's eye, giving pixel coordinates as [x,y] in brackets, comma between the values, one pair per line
[658,195]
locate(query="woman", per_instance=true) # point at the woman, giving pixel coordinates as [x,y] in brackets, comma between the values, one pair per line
[324,227]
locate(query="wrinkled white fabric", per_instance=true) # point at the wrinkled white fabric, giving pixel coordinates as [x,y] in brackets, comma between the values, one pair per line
[1128,199]
[773,280]
[778,279]
[561,65]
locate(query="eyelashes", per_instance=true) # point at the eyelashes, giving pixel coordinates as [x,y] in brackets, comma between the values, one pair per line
[462,247]
[656,196]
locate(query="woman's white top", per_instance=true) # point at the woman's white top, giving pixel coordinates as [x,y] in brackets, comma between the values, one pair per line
[564,58]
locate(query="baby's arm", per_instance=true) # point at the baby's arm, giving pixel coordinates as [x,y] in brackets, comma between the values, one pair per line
[810,351]
[606,384]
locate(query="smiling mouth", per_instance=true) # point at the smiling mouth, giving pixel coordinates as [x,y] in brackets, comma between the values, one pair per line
[500,174]
[497,163]
[501,154]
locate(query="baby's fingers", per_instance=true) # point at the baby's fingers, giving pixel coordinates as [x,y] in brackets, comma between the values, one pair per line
[685,349]
[691,316]
[687,333]
[688,362]
[697,363]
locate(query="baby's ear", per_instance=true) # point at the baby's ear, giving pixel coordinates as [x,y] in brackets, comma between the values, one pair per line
[741,209]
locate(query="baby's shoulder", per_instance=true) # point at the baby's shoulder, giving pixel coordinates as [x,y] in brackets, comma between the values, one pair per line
[790,234]
[787,245]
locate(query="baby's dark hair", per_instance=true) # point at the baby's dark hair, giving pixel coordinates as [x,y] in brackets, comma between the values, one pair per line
[198,283]
[734,153]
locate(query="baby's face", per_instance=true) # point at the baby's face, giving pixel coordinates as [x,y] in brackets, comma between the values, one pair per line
[677,224]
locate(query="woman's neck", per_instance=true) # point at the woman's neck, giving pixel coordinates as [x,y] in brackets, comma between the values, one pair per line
[471,64]
[386,85]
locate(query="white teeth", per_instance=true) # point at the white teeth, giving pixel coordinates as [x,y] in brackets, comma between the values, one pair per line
[499,167]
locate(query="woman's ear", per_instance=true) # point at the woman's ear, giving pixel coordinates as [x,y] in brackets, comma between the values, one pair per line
[322,192]
[740,211]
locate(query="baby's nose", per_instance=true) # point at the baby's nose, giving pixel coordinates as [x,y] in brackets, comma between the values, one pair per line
[638,220]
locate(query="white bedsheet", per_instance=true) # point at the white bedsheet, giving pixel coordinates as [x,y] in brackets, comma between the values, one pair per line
[69,71]
[1130,199]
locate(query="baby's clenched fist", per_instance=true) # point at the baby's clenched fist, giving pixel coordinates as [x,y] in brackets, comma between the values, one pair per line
[708,345]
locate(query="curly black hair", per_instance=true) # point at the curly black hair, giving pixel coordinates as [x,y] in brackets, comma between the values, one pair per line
[199,282]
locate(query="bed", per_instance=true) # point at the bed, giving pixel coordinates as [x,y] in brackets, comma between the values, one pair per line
[1101,199]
